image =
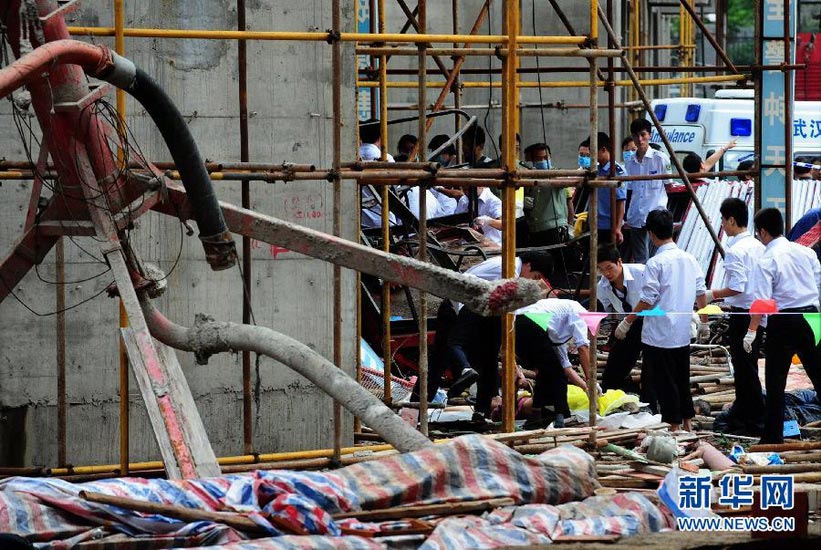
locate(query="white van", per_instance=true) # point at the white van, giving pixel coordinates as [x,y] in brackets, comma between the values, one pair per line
[701,125]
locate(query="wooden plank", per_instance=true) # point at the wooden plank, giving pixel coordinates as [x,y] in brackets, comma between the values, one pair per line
[135,359]
[195,438]
[193,429]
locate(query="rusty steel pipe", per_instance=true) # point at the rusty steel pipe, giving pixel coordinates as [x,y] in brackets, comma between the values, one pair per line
[242,85]
[336,100]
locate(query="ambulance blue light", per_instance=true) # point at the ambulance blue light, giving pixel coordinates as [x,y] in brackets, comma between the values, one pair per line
[661,111]
[741,127]
[692,113]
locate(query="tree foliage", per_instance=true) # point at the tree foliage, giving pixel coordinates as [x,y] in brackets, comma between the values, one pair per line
[740,16]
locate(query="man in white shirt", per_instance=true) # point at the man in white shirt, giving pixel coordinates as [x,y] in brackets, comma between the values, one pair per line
[489,213]
[619,291]
[672,282]
[370,149]
[790,274]
[742,256]
[646,195]
[546,353]
[433,208]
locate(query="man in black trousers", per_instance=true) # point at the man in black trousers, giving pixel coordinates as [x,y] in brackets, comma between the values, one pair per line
[619,291]
[790,274]
[742,255]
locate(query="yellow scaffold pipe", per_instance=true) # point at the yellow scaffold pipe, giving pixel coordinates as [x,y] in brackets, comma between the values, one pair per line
[204,34]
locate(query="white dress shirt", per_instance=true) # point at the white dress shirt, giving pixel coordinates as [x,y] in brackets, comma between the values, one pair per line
[447,205]
[647,195]
[633,280]
[743,254]
[488,205]
[489,270]
[672,280]
[431,207]
[564,325]
[372,215]
[788,273]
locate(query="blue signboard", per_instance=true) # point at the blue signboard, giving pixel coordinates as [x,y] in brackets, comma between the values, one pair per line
[367,97]
[772,120]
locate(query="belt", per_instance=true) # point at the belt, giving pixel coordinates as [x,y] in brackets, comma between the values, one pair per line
[804,309]
[739,309]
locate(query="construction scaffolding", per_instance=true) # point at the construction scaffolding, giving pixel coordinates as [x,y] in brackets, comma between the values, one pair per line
[510,46]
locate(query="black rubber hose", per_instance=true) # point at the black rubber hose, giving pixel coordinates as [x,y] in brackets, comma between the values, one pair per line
[217,240]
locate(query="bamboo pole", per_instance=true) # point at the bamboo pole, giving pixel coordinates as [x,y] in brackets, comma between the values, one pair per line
[237,521]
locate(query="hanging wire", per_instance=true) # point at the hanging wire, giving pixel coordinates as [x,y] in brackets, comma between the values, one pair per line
[490,84]
[124,149]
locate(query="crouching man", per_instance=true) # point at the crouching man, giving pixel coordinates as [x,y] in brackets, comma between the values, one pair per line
[546,353]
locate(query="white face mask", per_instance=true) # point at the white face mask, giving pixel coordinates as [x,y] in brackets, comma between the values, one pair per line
[628,154]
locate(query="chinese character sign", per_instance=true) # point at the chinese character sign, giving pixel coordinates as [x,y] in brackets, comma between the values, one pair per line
[736,491]
[694,492]
[772,123]
[777,491]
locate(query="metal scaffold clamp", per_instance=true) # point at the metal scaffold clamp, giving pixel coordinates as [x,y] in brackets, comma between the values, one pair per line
[333,36]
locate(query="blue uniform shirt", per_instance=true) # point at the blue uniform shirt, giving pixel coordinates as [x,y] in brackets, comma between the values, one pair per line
[603,195]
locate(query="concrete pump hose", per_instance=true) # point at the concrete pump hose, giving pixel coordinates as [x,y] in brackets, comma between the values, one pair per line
[208,336]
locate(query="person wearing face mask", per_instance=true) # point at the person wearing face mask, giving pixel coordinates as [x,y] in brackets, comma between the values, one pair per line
[548,210]
[628,148]
[609,231]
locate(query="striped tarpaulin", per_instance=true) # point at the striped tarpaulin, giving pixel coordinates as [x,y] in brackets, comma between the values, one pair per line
[51,512]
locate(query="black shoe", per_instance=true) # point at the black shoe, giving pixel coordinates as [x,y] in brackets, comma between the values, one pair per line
[539,419]
[465,380]
[559,421]
[479,418]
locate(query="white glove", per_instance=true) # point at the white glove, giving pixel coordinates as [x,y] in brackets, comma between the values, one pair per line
[482,221]
[528,203]
[710,295]
[703,333]
[622,329]
[749,338]
[598,389]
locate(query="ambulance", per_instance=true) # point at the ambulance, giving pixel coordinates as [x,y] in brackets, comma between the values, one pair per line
[702,125]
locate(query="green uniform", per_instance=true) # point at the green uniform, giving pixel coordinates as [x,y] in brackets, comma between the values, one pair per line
[549,208]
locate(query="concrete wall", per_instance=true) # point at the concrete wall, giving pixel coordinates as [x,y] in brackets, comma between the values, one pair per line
[289,97]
